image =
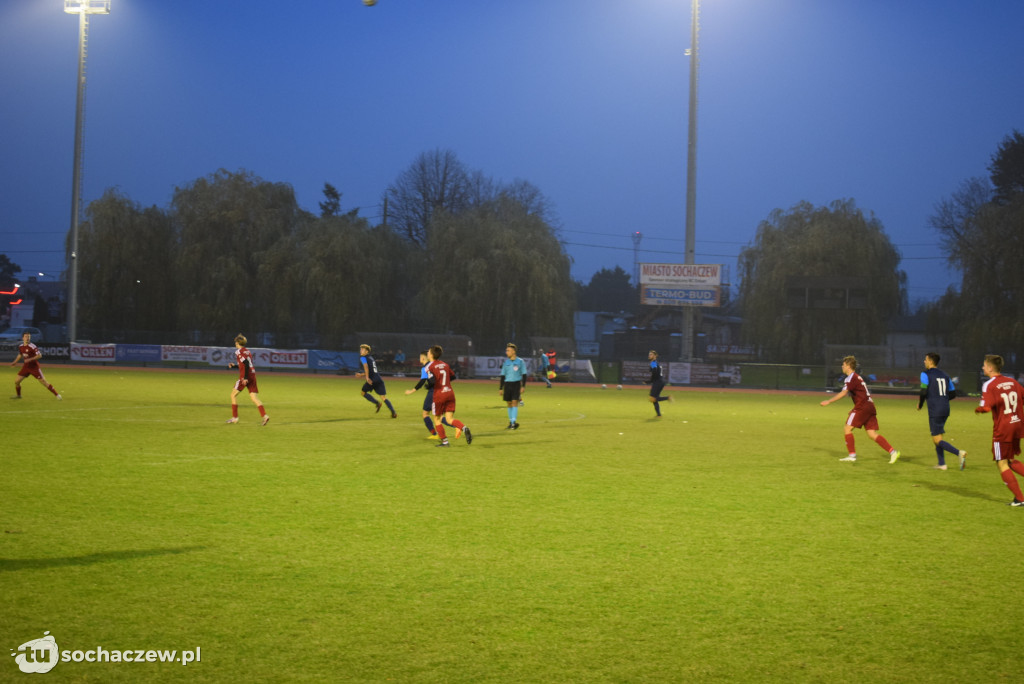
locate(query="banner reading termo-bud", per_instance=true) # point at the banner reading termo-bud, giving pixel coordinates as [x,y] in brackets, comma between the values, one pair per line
[681,284]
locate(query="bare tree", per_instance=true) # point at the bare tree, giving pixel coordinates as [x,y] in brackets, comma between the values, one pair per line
[435,183]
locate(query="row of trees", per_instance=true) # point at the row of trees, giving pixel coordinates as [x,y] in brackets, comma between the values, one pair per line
[234,252]
[980,228]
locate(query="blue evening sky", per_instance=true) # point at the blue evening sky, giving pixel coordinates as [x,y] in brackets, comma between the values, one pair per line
[891,103]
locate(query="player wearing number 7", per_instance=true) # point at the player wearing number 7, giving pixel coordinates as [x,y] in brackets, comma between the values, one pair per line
[937,389]
[1002,397]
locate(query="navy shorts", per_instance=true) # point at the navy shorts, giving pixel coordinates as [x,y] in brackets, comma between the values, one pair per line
[377,387]
[656,388]
[937,424]
[428,401]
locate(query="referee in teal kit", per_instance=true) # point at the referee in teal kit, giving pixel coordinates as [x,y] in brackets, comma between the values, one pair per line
[512,384]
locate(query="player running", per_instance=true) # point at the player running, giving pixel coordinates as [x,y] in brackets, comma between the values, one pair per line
[937,389]
[444,398]
[246,380]
[28,356]
[1003,397]
[657,381]
[373,381]
[428,401]
[863,413]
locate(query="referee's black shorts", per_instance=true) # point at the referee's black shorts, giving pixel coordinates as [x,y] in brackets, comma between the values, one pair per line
[513,390]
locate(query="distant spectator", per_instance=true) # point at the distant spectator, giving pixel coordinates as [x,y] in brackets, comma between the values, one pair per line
[400,357]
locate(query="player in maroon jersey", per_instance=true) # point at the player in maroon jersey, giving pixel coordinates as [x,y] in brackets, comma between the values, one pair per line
[246,380]
[863,413]
[28,356]
[444,398]
[1003,397]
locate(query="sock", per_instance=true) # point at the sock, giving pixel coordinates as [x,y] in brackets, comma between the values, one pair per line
[1011,482]
[946,446]
[440,431]
[234,410]
[387,402]
[884,443]
[1017,467]
[662,398]
[657,408]
[430,425]
[50,387]
[263,411]
[457,424]
[17,388]
[939,454]
[370,399]
[849,446]
[510,418]
[514,414]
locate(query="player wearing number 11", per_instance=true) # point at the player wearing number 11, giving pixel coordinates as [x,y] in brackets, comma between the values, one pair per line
[1003,397]
[937,389]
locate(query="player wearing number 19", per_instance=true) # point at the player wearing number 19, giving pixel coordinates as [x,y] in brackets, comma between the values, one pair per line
[937,389]
[863,413]
[1003,397]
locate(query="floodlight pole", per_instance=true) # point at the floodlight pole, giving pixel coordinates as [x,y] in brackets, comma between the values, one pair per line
[691,175]
[83,8]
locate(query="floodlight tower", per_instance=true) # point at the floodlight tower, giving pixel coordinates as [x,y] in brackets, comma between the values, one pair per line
[691,173]
[83,8]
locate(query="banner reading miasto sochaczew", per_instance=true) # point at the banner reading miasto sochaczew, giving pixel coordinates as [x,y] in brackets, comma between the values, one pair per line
[681,284]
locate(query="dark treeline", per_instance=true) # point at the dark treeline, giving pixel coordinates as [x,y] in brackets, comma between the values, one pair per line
[234,252]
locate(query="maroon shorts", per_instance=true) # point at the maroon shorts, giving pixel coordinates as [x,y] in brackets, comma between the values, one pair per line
[857,419]
[1004,451]
[444,405]
[251,386]
[34,371]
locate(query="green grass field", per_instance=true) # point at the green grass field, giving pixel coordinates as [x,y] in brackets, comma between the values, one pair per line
[724,542]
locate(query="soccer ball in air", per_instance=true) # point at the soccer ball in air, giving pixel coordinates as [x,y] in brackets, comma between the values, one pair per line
[369,3]
[619,387]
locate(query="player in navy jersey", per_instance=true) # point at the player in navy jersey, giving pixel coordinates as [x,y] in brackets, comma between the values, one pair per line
[373,381]
[863,413]
[657,381]
[1003,397]
[246,380]
[937,389]
[443,410]
[28,356]
[428,401]
[512,384]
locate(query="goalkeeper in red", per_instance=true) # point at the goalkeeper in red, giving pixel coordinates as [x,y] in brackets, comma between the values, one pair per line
[863,413]
[1003,397]
[246,380]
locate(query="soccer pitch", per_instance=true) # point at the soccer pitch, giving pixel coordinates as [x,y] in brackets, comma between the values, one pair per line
[723,542]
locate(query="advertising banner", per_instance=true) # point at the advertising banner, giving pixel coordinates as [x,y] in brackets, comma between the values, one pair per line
[96,353]
[323,360]
[681,284]
[295,359]
[170,352]
[146,353]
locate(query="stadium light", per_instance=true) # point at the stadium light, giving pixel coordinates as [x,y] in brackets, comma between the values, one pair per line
[83,8]
[691,173]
